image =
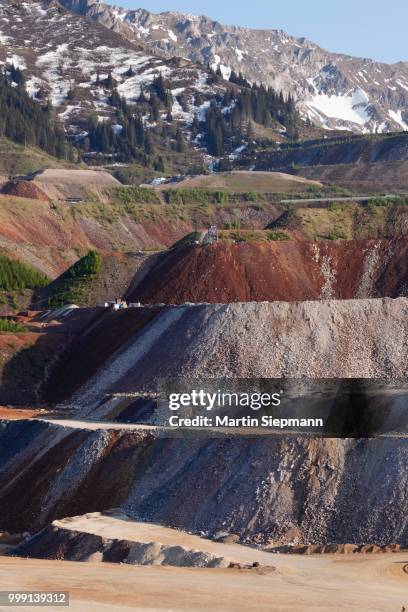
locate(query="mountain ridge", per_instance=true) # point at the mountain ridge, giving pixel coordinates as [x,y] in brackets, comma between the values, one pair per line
[335,90]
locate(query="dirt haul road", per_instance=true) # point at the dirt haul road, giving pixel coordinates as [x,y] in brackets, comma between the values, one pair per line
[299,583]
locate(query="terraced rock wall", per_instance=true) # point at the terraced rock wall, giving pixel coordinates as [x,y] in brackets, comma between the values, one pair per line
[279,490]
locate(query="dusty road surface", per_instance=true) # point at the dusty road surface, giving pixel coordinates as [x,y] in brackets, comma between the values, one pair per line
[9,413]
[62,176]
[363,583]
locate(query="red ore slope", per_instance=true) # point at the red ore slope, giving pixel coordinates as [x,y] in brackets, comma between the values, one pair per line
[277,271]
[24,189]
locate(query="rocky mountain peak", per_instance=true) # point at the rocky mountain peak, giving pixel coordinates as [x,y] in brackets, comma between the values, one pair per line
[333,90]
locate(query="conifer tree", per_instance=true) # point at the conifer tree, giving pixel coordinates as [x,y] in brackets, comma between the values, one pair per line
[180,141]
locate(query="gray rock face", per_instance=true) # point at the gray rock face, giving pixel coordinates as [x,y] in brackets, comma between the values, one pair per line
[275,490]
[278,490]
[334,90]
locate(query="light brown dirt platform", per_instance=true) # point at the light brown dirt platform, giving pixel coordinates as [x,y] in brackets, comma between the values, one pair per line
[243,180]
[9,413]
[300,583]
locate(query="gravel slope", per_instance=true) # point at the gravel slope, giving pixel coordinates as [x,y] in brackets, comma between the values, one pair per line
[326,339]
[270,491]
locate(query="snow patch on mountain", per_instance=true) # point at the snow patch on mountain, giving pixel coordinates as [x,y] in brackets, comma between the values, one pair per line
[397,117]
[132,87]
[404,86]
[17,61]
[67,59]
[172,35]
[225,70]
[33,86]
[353,108]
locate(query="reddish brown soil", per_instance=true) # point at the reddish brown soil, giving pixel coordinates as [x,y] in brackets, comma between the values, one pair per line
[24,189]
[274,271]
[51,238]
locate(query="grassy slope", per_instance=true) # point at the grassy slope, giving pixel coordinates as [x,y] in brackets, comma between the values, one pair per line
[348,221]
[17,284]
[52,238]
[17,159]
[145,206]
[109,282]
[73,285]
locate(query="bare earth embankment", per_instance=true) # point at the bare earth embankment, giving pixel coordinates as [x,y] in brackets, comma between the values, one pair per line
[247,181]
[277,271]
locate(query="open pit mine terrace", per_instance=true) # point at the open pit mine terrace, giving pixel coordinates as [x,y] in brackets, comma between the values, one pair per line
[98,451]
[92,472]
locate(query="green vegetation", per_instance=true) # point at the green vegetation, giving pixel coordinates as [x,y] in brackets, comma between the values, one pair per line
[276,235]
[14,303]
[225,130]
[198,211]
[72,285]
[331,223]
[137,195]
[24,121]
[7,326]
[196,195]
[188,240]
[17,275]
[225,126]
[20,159]
[200,195]
[226,194]
[347,221]
[378,201]
[239,235]
[133,174]
[126,136]
[318,192]
[386,201]
[129,143]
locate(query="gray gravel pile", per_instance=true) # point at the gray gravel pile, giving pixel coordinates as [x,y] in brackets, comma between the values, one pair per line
[329,339]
